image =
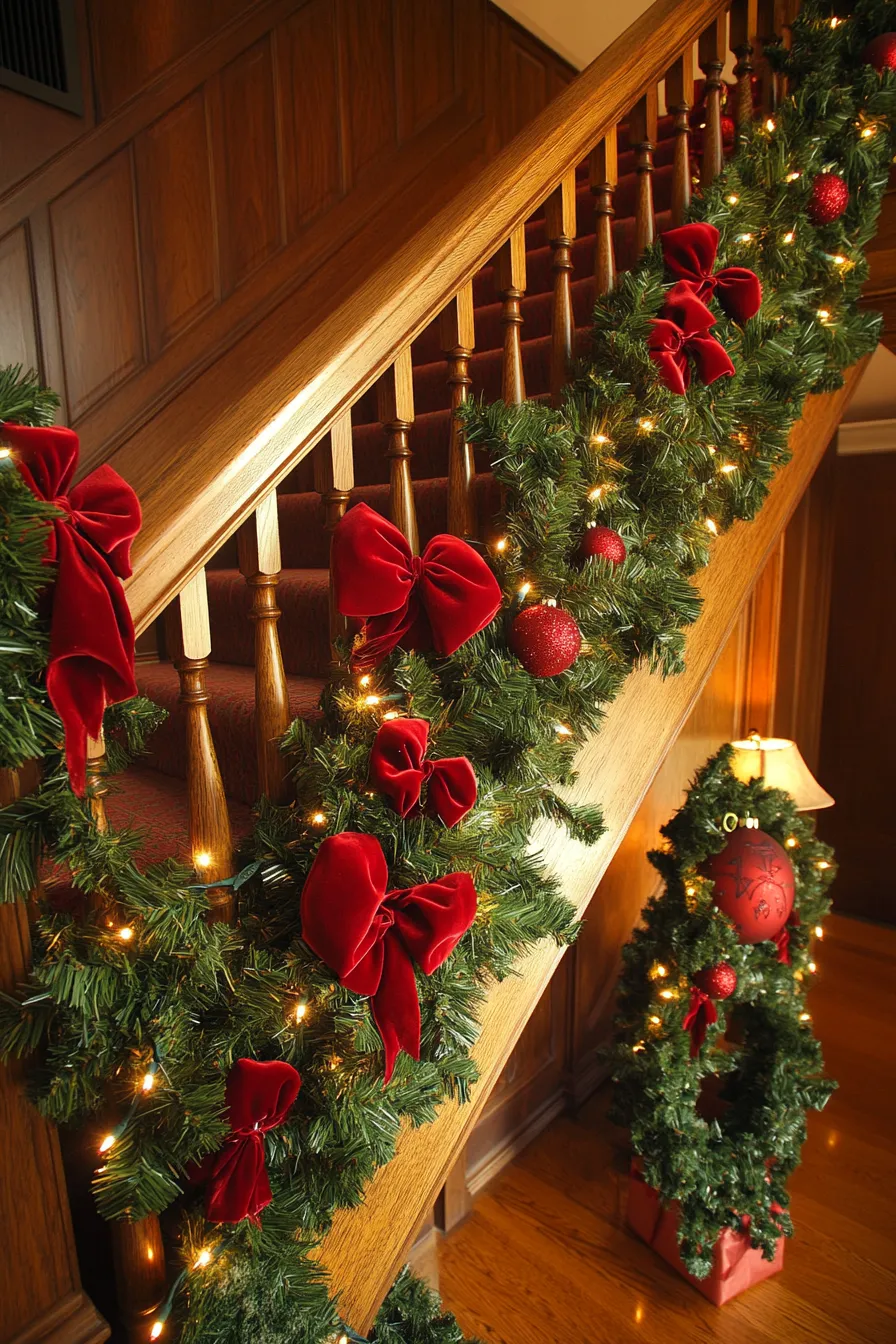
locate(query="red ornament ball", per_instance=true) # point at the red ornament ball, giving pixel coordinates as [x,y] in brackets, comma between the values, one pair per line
[546,640]
[829,198]
[719,982]
[603,541]
[754,884]
[881,53]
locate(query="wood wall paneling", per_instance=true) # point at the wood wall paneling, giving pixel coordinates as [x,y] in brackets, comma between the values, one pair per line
[425,61]
[18,333]
[178,238]
[858,737]
[310,96]
[247,164]
[369,83]
[98,283]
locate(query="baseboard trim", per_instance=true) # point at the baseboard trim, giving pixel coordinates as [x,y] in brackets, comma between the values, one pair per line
[866,436]
[72,1320]
[488,1168]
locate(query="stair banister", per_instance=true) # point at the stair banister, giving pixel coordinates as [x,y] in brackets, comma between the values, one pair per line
[206,461]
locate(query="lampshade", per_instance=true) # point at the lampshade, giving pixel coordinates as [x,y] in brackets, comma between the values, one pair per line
[779,761]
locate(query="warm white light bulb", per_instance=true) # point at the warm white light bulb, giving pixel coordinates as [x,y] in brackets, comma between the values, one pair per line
[562,730]
[599,438]
[5,452]
[365,680]
[769,124]
[525,589]
[646,425]
[371,700]
[501,544]
[157,1328]
[791,842]
[107,1143]
[149,1082]
[301,1012]
[788,237]
[732,199]
[203,1258]
[318,819]
[823,315]
[203,859]
[805,1017]
[126,933]
[839,261]
[712,526]
[819,932]
[596,492]
[744,238]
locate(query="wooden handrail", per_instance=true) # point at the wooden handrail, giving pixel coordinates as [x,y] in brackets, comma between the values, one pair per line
[207,460]
[366,1246]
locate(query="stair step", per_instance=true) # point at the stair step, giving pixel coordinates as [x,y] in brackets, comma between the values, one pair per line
[155,805]
[231,714]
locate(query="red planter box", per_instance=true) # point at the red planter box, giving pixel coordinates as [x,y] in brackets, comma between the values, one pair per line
[736,1264]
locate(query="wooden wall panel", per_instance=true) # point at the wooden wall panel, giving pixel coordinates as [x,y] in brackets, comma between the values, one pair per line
[426,61]
[247,164]
[309,96]
[368,55]
[98,282]
[178,240]
[18,331]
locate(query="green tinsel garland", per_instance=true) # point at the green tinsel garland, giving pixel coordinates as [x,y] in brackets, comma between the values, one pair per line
[622,451]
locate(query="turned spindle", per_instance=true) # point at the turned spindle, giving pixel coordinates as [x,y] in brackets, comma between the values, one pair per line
[333,480]
[679,91]
[395,409]
[560,219]
[604,175]
[711,50]
[744,22]
[510,283]
[456,327]
[259,559]
[642,124]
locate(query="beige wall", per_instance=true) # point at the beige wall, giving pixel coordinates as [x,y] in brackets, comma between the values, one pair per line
[578,30]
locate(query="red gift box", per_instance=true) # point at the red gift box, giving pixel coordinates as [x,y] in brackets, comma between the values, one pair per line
[736,1265]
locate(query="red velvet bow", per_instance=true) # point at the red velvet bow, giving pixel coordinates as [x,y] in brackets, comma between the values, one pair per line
[682,329]
[371,937]
[782,942]
[398,769]
[690,255]
[91,632]
[701,1014]
[438,600]
[259,1096]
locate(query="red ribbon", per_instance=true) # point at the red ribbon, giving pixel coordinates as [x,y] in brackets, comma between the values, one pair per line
[259,1097]
[398,769]
[372,937]
[782,942]
[701,1014]
[91,632]
[683,329]
[438,600]
[690,255]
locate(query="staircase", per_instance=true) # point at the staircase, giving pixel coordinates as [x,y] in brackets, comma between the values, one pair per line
[492,297]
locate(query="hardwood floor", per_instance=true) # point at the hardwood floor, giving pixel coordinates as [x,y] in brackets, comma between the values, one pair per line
[546,1258]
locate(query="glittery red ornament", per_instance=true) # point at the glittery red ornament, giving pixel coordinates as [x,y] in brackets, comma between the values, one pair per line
[754,884]
[829,198]
[603,541]
[881,53]
[546,640]
[719,982]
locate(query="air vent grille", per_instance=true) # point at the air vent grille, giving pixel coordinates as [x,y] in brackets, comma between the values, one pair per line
[38,51]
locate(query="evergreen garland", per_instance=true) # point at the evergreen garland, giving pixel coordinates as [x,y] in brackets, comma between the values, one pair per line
[179,999]
[737,1164]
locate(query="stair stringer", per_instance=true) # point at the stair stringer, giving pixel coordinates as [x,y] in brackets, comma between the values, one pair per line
[367,1245]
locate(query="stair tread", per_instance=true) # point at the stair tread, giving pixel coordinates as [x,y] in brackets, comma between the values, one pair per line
[155,805]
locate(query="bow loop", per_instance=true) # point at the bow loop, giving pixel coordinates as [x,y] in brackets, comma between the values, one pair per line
[689,253]
[438,600]
[702,1013]
[399,769]
[259,1097]
[683,329]
[372,937]
[91,661]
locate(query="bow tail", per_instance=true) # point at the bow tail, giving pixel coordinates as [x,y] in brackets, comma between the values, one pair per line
[395,1005]
[238,1184]
[739,292]
[674,370]
[701,1014]
[711,358]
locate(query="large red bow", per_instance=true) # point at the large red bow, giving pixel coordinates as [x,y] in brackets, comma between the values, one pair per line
[439,600]
[371,937]
[398,768]
[682,329]
[91,632]
[702,1013]
[259,1096]
[690,255]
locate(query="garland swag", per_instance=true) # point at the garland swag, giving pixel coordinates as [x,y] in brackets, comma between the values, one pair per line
[735,1161]
[160,994]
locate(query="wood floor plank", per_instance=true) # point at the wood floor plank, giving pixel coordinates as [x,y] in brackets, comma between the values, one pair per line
[546,1255]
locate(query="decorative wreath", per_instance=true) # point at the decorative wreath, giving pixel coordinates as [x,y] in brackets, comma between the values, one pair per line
[715,1060]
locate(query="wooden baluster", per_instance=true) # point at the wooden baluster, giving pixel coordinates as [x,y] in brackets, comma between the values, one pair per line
[259,556]
[679,92]
[604,175]
[642,137]
[457,333]
[765,26]
[560,218]
[744,24]
[510,282]
[395,403]
[711,49]
[334,477]
[189,640]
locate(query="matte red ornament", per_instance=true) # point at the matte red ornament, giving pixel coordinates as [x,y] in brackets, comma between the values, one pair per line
[828,199]
[437,600]
[753,884]
[259,1097]
[719,982]
[546,640]
[91,632]
[881,53]
[372,937]
[399,769]
[605,542]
